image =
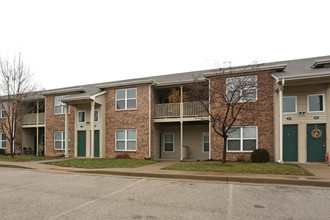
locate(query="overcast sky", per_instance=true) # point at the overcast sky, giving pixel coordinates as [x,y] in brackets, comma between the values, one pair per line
[69,42]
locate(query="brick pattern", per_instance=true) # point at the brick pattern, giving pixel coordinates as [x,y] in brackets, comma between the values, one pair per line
[264,122]
[128,119]
[57,123]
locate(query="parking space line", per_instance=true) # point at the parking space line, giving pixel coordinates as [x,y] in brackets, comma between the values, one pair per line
[90,202]
[32,184]
[230,202]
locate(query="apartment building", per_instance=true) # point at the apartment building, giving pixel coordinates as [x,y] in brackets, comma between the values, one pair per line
[135,118]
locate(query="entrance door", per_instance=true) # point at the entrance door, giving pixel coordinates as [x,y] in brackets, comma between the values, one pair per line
[290,143]
[81,143]
[316,145]
[96,143]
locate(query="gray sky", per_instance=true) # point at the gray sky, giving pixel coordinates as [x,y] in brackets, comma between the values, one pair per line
[73,42]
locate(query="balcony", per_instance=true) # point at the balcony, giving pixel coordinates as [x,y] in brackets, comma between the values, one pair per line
[173,110]
[31,119]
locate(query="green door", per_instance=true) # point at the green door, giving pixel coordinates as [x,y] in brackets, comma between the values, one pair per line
[81,143]
[316,145]
[290,143]
[96,143]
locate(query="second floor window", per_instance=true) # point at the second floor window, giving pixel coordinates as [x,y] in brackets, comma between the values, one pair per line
[59,106]
[96,115]
[290,104]
[3,107]
[315,103]
[126,99]
[81,116]
[242,89]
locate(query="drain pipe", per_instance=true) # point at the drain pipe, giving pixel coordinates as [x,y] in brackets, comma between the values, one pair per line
[281,121]
[150,118]
[210,131]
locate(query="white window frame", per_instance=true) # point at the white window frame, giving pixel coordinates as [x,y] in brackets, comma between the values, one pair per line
[126,99]
[256,86]
[3,111]
[126,139]
[241,139]
[62,140]
[208,142]
[3,141]
[98,115]
[62,105]
[164,142]
[84,111]
[295,104]
[323,100]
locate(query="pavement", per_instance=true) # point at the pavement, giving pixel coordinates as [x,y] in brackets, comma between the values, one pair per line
[321,173]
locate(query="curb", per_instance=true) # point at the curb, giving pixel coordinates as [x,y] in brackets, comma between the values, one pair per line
[227,179]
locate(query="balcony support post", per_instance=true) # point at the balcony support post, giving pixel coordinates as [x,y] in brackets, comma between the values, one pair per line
[37,128]
[66,132]
[181,140]
[92,128]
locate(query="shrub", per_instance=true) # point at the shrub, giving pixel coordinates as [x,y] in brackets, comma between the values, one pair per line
[123,156]
[260,156]
[2,151]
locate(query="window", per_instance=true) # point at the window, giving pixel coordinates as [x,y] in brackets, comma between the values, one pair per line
[59,140]
[3,107]
[96,115]
[242,89]
[126,140]
[2,141]
[315,103]
[290,104]
[81,116]
[125,99]
[206,142]
[242,139]
[169,142]
[59,107]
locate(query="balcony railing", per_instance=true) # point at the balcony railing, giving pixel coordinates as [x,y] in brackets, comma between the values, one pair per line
[31,119]
[172,110]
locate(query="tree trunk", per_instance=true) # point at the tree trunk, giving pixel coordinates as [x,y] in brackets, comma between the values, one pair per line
[224,152]
[11,147]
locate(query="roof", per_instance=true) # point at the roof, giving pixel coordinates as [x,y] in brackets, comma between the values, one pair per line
[289,69]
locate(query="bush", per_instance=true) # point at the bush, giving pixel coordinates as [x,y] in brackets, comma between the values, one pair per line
[260,156]
[2,151]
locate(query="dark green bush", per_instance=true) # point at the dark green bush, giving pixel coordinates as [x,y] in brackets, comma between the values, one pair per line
[260,156]
[2,151]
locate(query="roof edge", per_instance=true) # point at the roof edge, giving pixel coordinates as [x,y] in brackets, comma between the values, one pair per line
[111,85]
[58,91]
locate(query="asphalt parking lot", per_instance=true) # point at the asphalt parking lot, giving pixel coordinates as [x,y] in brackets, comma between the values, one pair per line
[28,194]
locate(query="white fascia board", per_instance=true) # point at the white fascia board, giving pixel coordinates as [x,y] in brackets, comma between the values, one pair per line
[129,83]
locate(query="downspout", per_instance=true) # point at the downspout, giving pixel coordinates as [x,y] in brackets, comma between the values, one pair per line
[150,119]
[209,119]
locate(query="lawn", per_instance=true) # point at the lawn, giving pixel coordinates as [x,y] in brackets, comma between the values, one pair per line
[102,163]
[240,167]
[24,158]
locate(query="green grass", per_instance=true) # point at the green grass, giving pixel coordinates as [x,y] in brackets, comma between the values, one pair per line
[240,167]
[24,158]
[102,163]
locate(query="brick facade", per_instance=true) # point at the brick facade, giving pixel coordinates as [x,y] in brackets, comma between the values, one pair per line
[264,121]
[128,119]
[56,122]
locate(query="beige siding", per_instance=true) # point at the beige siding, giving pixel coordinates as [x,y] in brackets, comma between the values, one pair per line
[192,141]
[301,92]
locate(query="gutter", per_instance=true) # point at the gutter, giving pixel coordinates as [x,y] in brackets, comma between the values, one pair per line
[281,87]
[128,83]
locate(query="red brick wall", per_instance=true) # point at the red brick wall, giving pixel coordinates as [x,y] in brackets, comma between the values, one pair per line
[264,121]
[128,119]
[57,123]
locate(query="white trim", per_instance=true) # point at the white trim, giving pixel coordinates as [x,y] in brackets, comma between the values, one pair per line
[241,139]
[296,104]
[62,139]
[80,122]
[126,99]
[1,141]
[98,115]
[169,143]
[126,139]
[322,103]
[205,142]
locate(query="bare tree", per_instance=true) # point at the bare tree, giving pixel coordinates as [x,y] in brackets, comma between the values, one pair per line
[231,93]
[16,90]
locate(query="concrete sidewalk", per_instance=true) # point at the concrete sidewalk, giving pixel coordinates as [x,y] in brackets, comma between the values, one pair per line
[156,170]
